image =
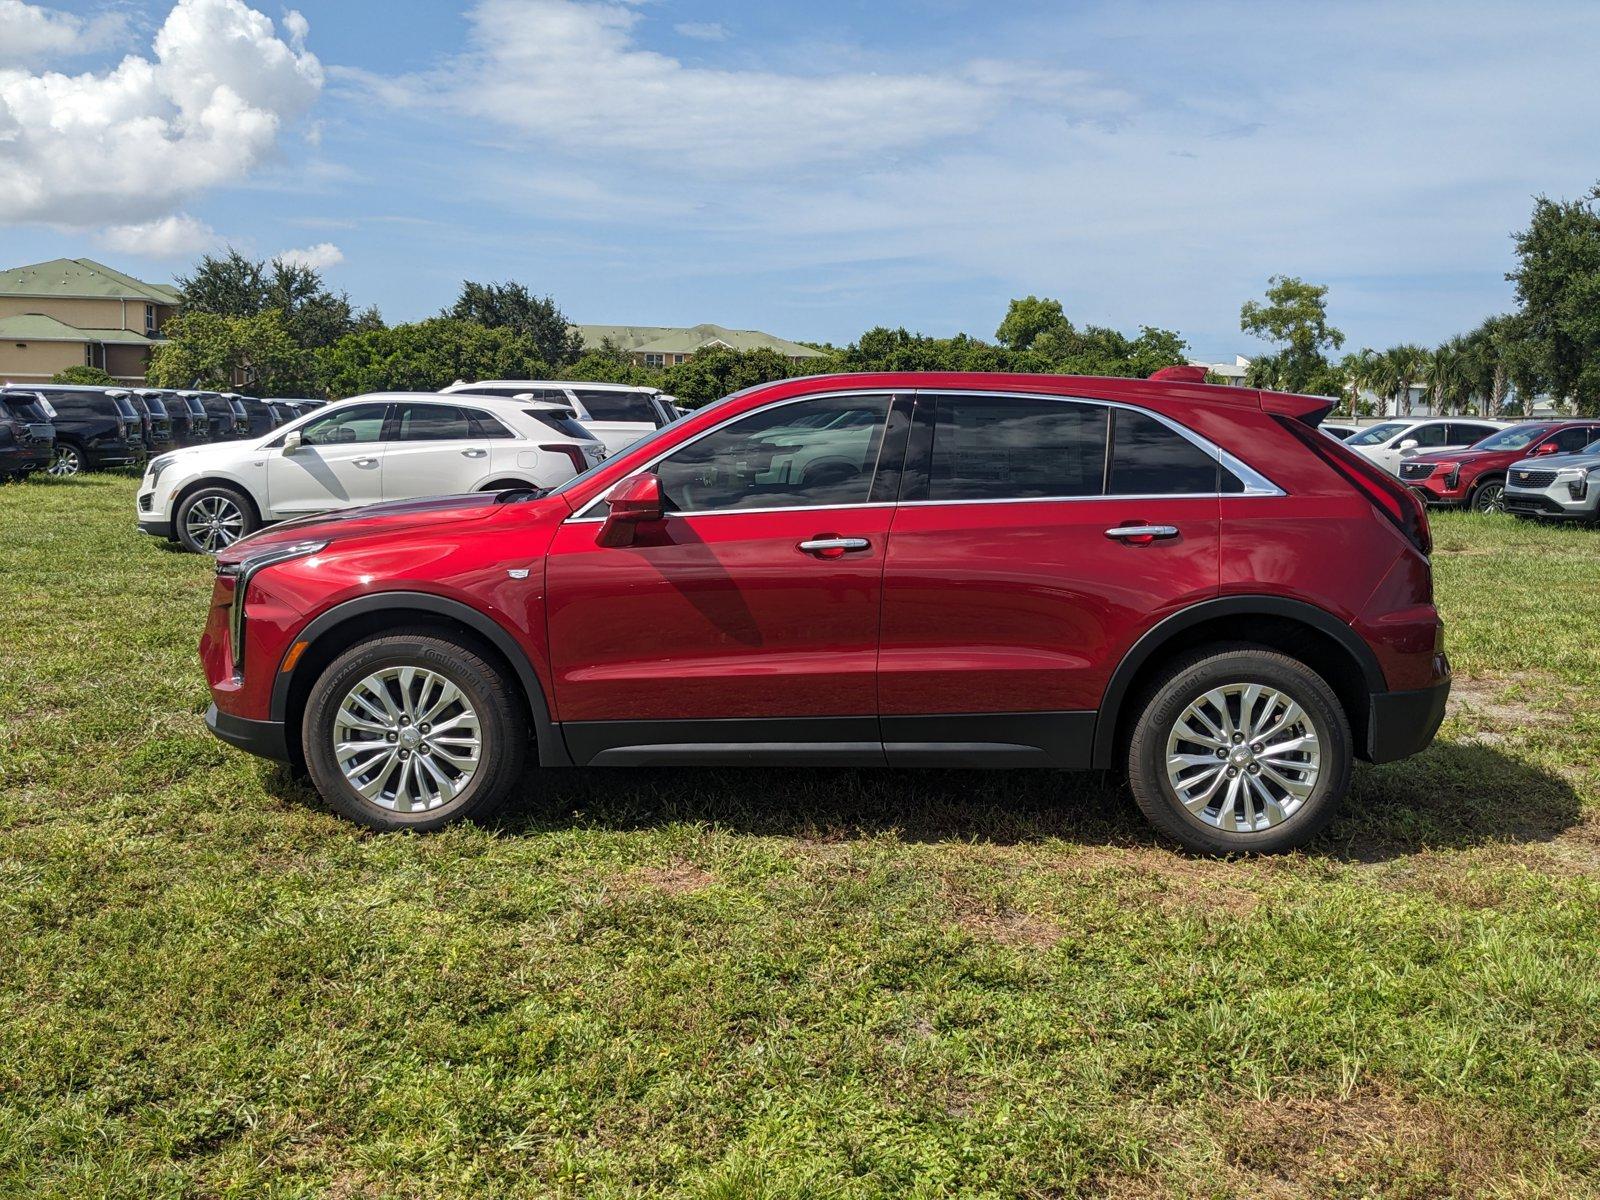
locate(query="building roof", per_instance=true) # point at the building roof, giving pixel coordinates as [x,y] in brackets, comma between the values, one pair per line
[82,278]
[668,339]
[36,327]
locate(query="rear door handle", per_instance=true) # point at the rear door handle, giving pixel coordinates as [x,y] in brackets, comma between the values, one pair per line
[834,547]
[474,454]
[1141,535]
[366,462]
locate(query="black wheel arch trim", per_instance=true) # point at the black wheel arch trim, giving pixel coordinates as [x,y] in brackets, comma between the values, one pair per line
[1116,693]
[552,750]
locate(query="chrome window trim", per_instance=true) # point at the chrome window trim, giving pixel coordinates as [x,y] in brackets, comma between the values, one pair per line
[1256,485]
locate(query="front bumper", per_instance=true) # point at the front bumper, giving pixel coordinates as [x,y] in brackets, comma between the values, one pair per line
[263,738]
[1400,724]
[1553,501]
[155,528]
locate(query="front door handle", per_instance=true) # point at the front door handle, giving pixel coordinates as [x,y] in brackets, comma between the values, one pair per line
[834,547]
[366,462]
[1141,535]
[474,454]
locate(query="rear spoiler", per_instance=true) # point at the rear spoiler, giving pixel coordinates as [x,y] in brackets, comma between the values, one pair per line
[1309,410]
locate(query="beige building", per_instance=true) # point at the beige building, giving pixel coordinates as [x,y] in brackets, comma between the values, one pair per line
[75,312]
[666,346]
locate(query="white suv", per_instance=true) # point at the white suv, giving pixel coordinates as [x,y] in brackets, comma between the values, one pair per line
[1392,442]
[384,446]
[618,413]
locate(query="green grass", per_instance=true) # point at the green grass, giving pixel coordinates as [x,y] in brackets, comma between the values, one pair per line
[729,984]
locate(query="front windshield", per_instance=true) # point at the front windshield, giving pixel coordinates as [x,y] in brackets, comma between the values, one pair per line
[1514,438]
[1378,434]
[1592,448]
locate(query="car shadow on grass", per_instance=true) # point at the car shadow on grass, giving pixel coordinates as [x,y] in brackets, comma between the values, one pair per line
[1455,795]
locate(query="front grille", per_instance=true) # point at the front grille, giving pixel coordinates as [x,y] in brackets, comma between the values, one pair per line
[1415,470]
[1534,479]
[1536,505]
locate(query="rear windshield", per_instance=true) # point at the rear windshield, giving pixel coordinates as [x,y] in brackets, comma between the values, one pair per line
[154,404]
[23,408]
[195,407]
[239,409]
[562,421]
[125,408]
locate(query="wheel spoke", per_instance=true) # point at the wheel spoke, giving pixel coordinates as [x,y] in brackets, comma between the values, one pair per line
[408,770]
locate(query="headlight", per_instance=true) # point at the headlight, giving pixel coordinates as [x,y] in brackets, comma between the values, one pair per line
[243,571]
[157,465]
[1452,473]
[1578,485]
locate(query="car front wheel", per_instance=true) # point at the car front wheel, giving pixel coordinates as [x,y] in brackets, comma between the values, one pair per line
[213,519]
[1489,496]
[1240,750]
[413,731]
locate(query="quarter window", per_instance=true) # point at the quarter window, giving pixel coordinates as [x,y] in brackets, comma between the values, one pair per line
[1008,448]
[485,426]
[359,423]
[1149,459]
[813,453]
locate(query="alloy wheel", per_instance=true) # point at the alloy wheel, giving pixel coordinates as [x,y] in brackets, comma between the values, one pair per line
[66,461]
[1490,498]
[214,523]
[407,739]
[1243,757]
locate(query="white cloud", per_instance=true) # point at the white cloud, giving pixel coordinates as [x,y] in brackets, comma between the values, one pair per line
[29,32]
[131,144]
[702,31]
[571,73]
[177,236]
[319,257]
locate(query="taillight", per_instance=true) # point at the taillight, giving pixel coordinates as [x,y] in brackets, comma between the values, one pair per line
[1387,494]
[574,453]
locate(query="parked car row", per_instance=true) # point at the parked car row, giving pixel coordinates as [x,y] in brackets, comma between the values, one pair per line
[68,429]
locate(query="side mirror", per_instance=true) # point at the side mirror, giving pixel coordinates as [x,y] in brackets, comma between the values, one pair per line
[633,502]
[1546,448]
[291,441]
[1408,444]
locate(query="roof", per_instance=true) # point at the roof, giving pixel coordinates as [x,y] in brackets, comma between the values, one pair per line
[667,339]
[82,278]
[36,327]
[461,385]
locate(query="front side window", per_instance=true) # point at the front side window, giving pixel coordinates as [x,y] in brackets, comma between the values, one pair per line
[618,406]
[360,423]
[1009,448]
[1151,459]
[1378,434]
[812,453]
[433,423]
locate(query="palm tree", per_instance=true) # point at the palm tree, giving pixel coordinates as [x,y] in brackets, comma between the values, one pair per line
[1405,365]
[1363,369]
[1265,371]
[1486,355]
[1448,373]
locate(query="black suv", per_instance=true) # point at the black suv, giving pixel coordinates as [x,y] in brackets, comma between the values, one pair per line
[95,427]
[155,424]
[228,417]
[191,425]
[27,438]
[265,416]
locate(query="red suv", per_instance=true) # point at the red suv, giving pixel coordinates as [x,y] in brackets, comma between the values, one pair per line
[957,570]
[1476,477]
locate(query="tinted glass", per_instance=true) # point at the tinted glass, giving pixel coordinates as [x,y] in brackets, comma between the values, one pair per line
[155,405]
[1570,441]
[1005,448]
[1377,435]
[1514,438]
[1426,436]
[433,423]
[1149,459]
[485,426]
[562,421]
[360,423]
[125,408]
[192,403]
[618,406]
[811,453]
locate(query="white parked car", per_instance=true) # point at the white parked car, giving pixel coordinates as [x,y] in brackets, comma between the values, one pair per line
[618,413]
[1392,442]
[383,446]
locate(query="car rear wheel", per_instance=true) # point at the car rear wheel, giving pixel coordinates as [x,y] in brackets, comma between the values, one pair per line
[67,460]
[1489,496]
[413,731]
[1240,749]
[213,519]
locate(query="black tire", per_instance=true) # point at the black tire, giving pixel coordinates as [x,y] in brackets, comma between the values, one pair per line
[68,459]
[1186,681]
[503,730]
[193,540]
[1489,496]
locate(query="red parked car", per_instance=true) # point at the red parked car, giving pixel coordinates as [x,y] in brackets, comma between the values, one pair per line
[959,570]
[1476,477]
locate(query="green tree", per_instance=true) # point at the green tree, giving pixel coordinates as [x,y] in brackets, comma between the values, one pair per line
[512,306]
[209,350]
[717,372]
[425,357]
[236,286]
[1362,370]
[1027,319]
[1295,317]
[1558,286]
[84,377]
[230,286]
[1449,377]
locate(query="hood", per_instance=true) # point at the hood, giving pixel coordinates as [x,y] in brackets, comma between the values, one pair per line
[1456,456]
[201,457]
[396,516]
[1556,462]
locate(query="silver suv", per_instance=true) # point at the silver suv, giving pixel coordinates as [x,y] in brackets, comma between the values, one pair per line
[1559,486]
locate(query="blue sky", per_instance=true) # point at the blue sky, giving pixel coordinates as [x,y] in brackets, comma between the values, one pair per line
[813,169]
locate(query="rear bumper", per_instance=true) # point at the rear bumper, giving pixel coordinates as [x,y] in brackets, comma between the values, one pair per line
[1400,724]
[263,738]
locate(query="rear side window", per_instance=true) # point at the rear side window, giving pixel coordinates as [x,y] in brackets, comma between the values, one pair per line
[1149,459]
[618,406]
[485,426]
[562,421]
[1009,448]
[1429,435]
[1570,441]
[433,423]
